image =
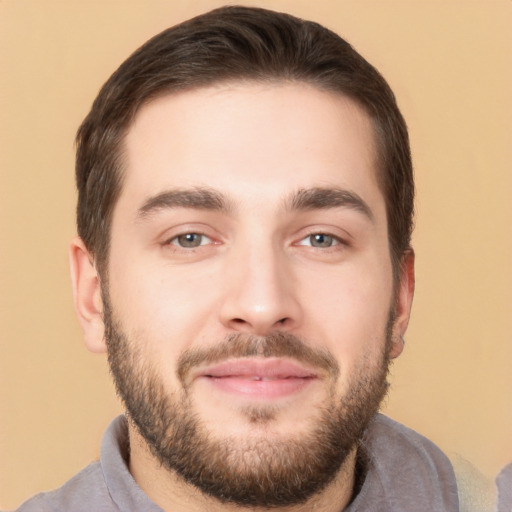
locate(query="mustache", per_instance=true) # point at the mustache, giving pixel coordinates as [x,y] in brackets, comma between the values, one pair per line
[239,345]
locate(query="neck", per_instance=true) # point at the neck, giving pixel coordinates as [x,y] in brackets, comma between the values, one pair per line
[171,493]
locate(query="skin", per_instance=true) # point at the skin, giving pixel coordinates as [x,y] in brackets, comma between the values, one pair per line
[256,270]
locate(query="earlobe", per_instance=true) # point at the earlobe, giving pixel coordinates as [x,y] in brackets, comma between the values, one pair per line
[87,295]
[404,297]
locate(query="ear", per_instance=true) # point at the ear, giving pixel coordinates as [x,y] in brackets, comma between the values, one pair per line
[404,296]
[87,295]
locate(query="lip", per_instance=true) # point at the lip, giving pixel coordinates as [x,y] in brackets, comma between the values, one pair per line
[264,378]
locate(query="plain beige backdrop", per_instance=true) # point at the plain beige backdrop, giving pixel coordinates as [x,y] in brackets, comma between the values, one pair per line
[450,64]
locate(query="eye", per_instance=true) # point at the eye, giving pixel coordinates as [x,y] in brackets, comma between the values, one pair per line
[320,241]
[190,240]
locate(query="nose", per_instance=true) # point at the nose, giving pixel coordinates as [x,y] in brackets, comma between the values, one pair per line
[260,294]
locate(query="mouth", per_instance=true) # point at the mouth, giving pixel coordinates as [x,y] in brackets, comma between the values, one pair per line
[254,378]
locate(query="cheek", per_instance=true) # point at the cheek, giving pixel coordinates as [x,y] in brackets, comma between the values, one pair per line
[349,314]
[348,293]
[164,305]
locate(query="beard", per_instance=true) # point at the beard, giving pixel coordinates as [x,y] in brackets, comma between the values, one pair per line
[256,470]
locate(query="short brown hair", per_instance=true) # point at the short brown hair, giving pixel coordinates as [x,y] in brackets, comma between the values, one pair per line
[234,44]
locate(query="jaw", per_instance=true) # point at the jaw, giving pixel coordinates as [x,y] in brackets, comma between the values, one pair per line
[171,491]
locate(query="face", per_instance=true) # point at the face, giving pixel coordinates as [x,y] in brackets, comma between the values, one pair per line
[251,300]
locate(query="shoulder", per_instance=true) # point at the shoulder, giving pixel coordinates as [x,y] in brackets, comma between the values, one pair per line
[504,488]
[390,442]
[406,471]
[76,495]
[103,486]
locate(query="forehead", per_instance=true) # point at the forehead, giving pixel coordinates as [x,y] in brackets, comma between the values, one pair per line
[254,140]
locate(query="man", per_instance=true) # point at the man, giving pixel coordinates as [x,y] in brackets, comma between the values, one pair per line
[244,217]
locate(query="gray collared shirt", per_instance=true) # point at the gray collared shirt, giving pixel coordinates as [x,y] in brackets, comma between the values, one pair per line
[406,472]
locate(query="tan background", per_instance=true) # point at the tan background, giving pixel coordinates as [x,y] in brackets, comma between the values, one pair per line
[449,63]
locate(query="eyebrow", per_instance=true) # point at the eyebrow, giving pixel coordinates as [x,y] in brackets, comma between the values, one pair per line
[319,198]
[199,198]
[204,198]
